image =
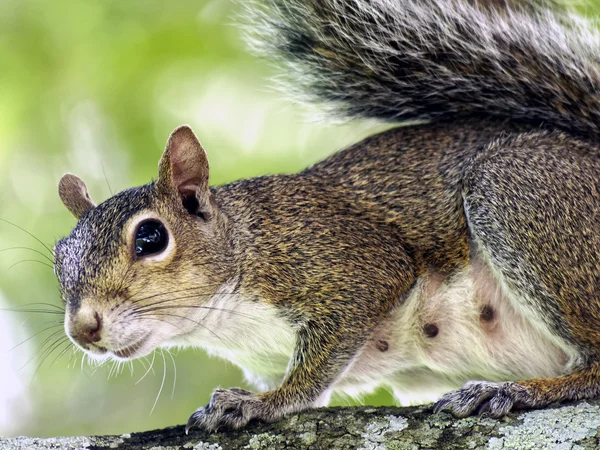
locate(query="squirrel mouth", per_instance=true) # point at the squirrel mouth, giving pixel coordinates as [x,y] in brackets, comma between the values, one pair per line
[130,350]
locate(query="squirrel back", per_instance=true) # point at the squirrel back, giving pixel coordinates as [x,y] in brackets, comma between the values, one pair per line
[406,60]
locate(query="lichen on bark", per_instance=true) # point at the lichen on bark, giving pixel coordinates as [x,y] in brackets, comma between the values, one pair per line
[561,427]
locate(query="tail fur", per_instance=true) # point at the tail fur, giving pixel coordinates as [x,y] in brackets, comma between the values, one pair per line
[414,60]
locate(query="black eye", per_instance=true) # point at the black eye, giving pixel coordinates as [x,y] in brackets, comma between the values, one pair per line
[151,237]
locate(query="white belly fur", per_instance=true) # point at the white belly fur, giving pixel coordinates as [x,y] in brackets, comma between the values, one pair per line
[514,345]
[249,334]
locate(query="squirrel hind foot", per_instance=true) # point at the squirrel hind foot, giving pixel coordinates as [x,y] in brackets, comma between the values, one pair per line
[483,397]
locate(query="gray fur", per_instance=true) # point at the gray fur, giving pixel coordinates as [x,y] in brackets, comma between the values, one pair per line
[406,60]
[531,201]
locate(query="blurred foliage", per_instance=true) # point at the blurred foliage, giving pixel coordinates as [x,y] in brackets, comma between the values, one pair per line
[95,87]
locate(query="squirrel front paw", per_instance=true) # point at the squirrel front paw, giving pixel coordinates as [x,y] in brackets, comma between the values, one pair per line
[495,399]
[227,409]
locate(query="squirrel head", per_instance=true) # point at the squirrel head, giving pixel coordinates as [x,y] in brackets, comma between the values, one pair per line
[136,269]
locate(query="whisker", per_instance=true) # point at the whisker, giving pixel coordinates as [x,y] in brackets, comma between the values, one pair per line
[175,292]
[110,370]
[141,317]
[30,234]
[61,309]
[151,308]
[26,324]
[65,350]
[73,358]
[172,299]
[30,260]
[163,381]
[31,250]
[42,348]
[56,344]
[174,373]
[130,365]
[143,361]
[187,318]
[31,337]
[117,369]
[34,311]
[149,368]
[106,178]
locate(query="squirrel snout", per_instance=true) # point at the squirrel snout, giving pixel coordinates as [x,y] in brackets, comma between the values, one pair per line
[86,327]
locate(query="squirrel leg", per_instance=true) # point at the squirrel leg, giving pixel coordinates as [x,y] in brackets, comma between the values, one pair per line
[497,399]
[322,352]
[333,317]
[530,203]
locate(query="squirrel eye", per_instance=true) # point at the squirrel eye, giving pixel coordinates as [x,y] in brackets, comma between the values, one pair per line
[151,237]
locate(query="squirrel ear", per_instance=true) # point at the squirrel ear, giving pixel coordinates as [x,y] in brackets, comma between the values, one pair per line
[74,195]
[184,168]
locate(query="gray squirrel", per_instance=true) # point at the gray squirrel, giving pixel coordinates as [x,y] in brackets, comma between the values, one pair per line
[464,246]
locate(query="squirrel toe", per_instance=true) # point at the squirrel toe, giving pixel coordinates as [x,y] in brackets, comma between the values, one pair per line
[228,409]
[493,399]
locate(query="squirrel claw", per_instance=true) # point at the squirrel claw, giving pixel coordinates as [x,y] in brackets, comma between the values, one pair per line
[195,420]
[494,399]
[227,409]
[191,423]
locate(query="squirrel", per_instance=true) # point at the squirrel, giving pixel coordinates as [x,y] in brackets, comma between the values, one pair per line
[455,258]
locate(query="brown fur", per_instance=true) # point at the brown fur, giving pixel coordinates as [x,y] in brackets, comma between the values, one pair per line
[337,248]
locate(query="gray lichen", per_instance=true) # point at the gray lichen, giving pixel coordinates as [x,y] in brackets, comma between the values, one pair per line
[380,431]
[567,427]
[62,443]
[557,429]
[202,446]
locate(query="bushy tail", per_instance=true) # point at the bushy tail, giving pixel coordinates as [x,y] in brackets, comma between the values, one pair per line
[407,60]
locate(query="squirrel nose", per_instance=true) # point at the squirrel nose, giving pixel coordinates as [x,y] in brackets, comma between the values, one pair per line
[87,327]
[92,329]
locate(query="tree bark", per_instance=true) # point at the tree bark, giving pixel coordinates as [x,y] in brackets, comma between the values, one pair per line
[573,426]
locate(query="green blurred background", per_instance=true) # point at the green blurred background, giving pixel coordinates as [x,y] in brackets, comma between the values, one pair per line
[94,88]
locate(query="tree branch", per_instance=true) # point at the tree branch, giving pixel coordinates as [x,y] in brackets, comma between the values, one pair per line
[571,426]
